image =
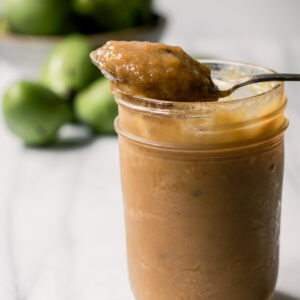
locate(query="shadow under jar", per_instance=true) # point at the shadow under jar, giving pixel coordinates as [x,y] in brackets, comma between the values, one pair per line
[202,186]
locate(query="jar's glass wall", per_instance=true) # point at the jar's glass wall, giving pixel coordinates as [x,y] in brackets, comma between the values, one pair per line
[202,226]
[202,191]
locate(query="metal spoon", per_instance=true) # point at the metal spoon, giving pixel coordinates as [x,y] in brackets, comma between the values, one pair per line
[226,88]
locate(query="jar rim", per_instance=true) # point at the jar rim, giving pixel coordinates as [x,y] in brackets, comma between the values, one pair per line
[205,148]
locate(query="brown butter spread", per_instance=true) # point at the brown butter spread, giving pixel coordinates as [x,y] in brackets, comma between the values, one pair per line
[156,71]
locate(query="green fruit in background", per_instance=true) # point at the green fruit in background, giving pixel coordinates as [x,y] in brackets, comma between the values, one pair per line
[68,68]
[4,26]
[34,113]
[96,107]
[84,7]
[38,17]
[115,14]
[145,14]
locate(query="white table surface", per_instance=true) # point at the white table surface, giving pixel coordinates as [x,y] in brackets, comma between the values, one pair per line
[61,219]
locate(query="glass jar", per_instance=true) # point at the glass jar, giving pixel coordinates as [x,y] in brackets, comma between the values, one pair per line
[202,189]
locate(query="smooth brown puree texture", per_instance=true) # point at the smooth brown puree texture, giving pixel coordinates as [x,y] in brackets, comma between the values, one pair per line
[200,227]
[156,71]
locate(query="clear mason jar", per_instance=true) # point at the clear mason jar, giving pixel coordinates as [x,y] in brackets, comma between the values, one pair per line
[202,189]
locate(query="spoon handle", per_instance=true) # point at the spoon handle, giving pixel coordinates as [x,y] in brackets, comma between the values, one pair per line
[265,78]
